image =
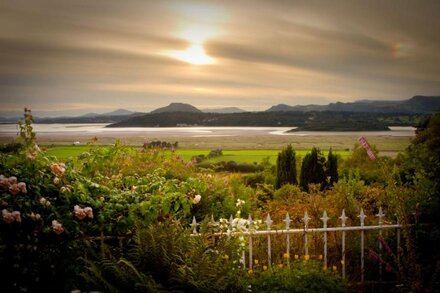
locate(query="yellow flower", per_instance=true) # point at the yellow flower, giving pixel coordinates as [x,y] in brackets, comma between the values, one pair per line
[335,269]
[286,255]
[250,271]
[324,268]
[256,261]
[296,256]
[264,268]
[342,262]
[320,257]
[226,256]
[280,265]
[306,257]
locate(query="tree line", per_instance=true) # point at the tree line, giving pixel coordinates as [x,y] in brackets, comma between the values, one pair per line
[315,169]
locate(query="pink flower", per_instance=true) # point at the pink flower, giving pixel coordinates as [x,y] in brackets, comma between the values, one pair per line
[8,218]
[22,187]
[89,212]
[58,169]
[4,182]
[17,216]
[57,227]
[79,212]
[12,180]
[385,246]
[14,189]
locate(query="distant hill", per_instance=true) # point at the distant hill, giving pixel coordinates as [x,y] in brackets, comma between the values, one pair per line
[314,120]
[118,112]
[223,110]
[177,107]
[415,105]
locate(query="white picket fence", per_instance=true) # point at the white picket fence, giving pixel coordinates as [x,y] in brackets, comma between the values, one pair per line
[306,230]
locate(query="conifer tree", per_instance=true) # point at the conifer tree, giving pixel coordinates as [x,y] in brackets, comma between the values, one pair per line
[331,170]
[312,169]
[286,167]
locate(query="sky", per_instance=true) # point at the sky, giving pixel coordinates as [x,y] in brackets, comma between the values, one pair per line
[75,57]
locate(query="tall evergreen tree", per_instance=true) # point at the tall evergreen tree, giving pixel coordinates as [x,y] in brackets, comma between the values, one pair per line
[286,167]
[331,170]
[312,169]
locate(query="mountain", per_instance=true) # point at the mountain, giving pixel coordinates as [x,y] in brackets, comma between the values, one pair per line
[223,110]
[118,112]
[414,105]
[177,107]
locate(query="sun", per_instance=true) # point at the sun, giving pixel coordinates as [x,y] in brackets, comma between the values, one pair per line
[194,55]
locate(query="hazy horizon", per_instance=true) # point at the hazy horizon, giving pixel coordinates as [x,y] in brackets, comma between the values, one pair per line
[76,57]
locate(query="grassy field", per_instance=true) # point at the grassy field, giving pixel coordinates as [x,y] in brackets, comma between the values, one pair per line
[241,156]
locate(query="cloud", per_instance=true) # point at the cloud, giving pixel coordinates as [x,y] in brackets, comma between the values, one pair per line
[55,53]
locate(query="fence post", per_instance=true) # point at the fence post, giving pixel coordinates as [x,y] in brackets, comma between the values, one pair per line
[398,244]
[380,215]
[269,248]
[287,221]
[250,242]
[324,220]
[306,220]
[362,217]
[343,220]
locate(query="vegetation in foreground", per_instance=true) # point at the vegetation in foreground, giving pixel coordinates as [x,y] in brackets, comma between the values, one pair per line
[55,214]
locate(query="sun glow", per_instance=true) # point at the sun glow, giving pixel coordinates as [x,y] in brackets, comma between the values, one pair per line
[195,55]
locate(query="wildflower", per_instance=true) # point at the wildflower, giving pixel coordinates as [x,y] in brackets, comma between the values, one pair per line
[4,182]
[17,216]
[31,156]
[306,257]
[56,181]
[14,189]
[197,199]
[57,227]
[22,187]
[296,256]
[320,257]
[89,212]
[58,169]
[280,265]
[385,246]
[8,218]
[342,262]
[239,203]
[35,217]
[324,268]
[264,268]
[44,202]
[133,188]
[256,261]
[226,257]
[286,255]
[79,212]
[250,271]
[12,180]
[335,269]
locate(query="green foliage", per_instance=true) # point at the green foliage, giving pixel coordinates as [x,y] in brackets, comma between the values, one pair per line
[164,257]
[300,277]
[312,169]
[286,167]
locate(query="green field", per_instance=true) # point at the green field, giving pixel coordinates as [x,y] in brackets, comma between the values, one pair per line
[240,156]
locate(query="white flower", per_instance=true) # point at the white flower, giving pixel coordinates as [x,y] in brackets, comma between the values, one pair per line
[197,199]
[56,180]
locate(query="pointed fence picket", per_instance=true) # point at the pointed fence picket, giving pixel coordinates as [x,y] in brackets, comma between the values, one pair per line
[288,231]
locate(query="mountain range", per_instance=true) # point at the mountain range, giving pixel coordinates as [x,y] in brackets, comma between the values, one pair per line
[414,105]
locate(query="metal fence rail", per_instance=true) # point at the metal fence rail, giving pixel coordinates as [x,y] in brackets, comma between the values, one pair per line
[269,232]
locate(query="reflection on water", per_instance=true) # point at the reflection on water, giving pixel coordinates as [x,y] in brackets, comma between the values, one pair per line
[10,130]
